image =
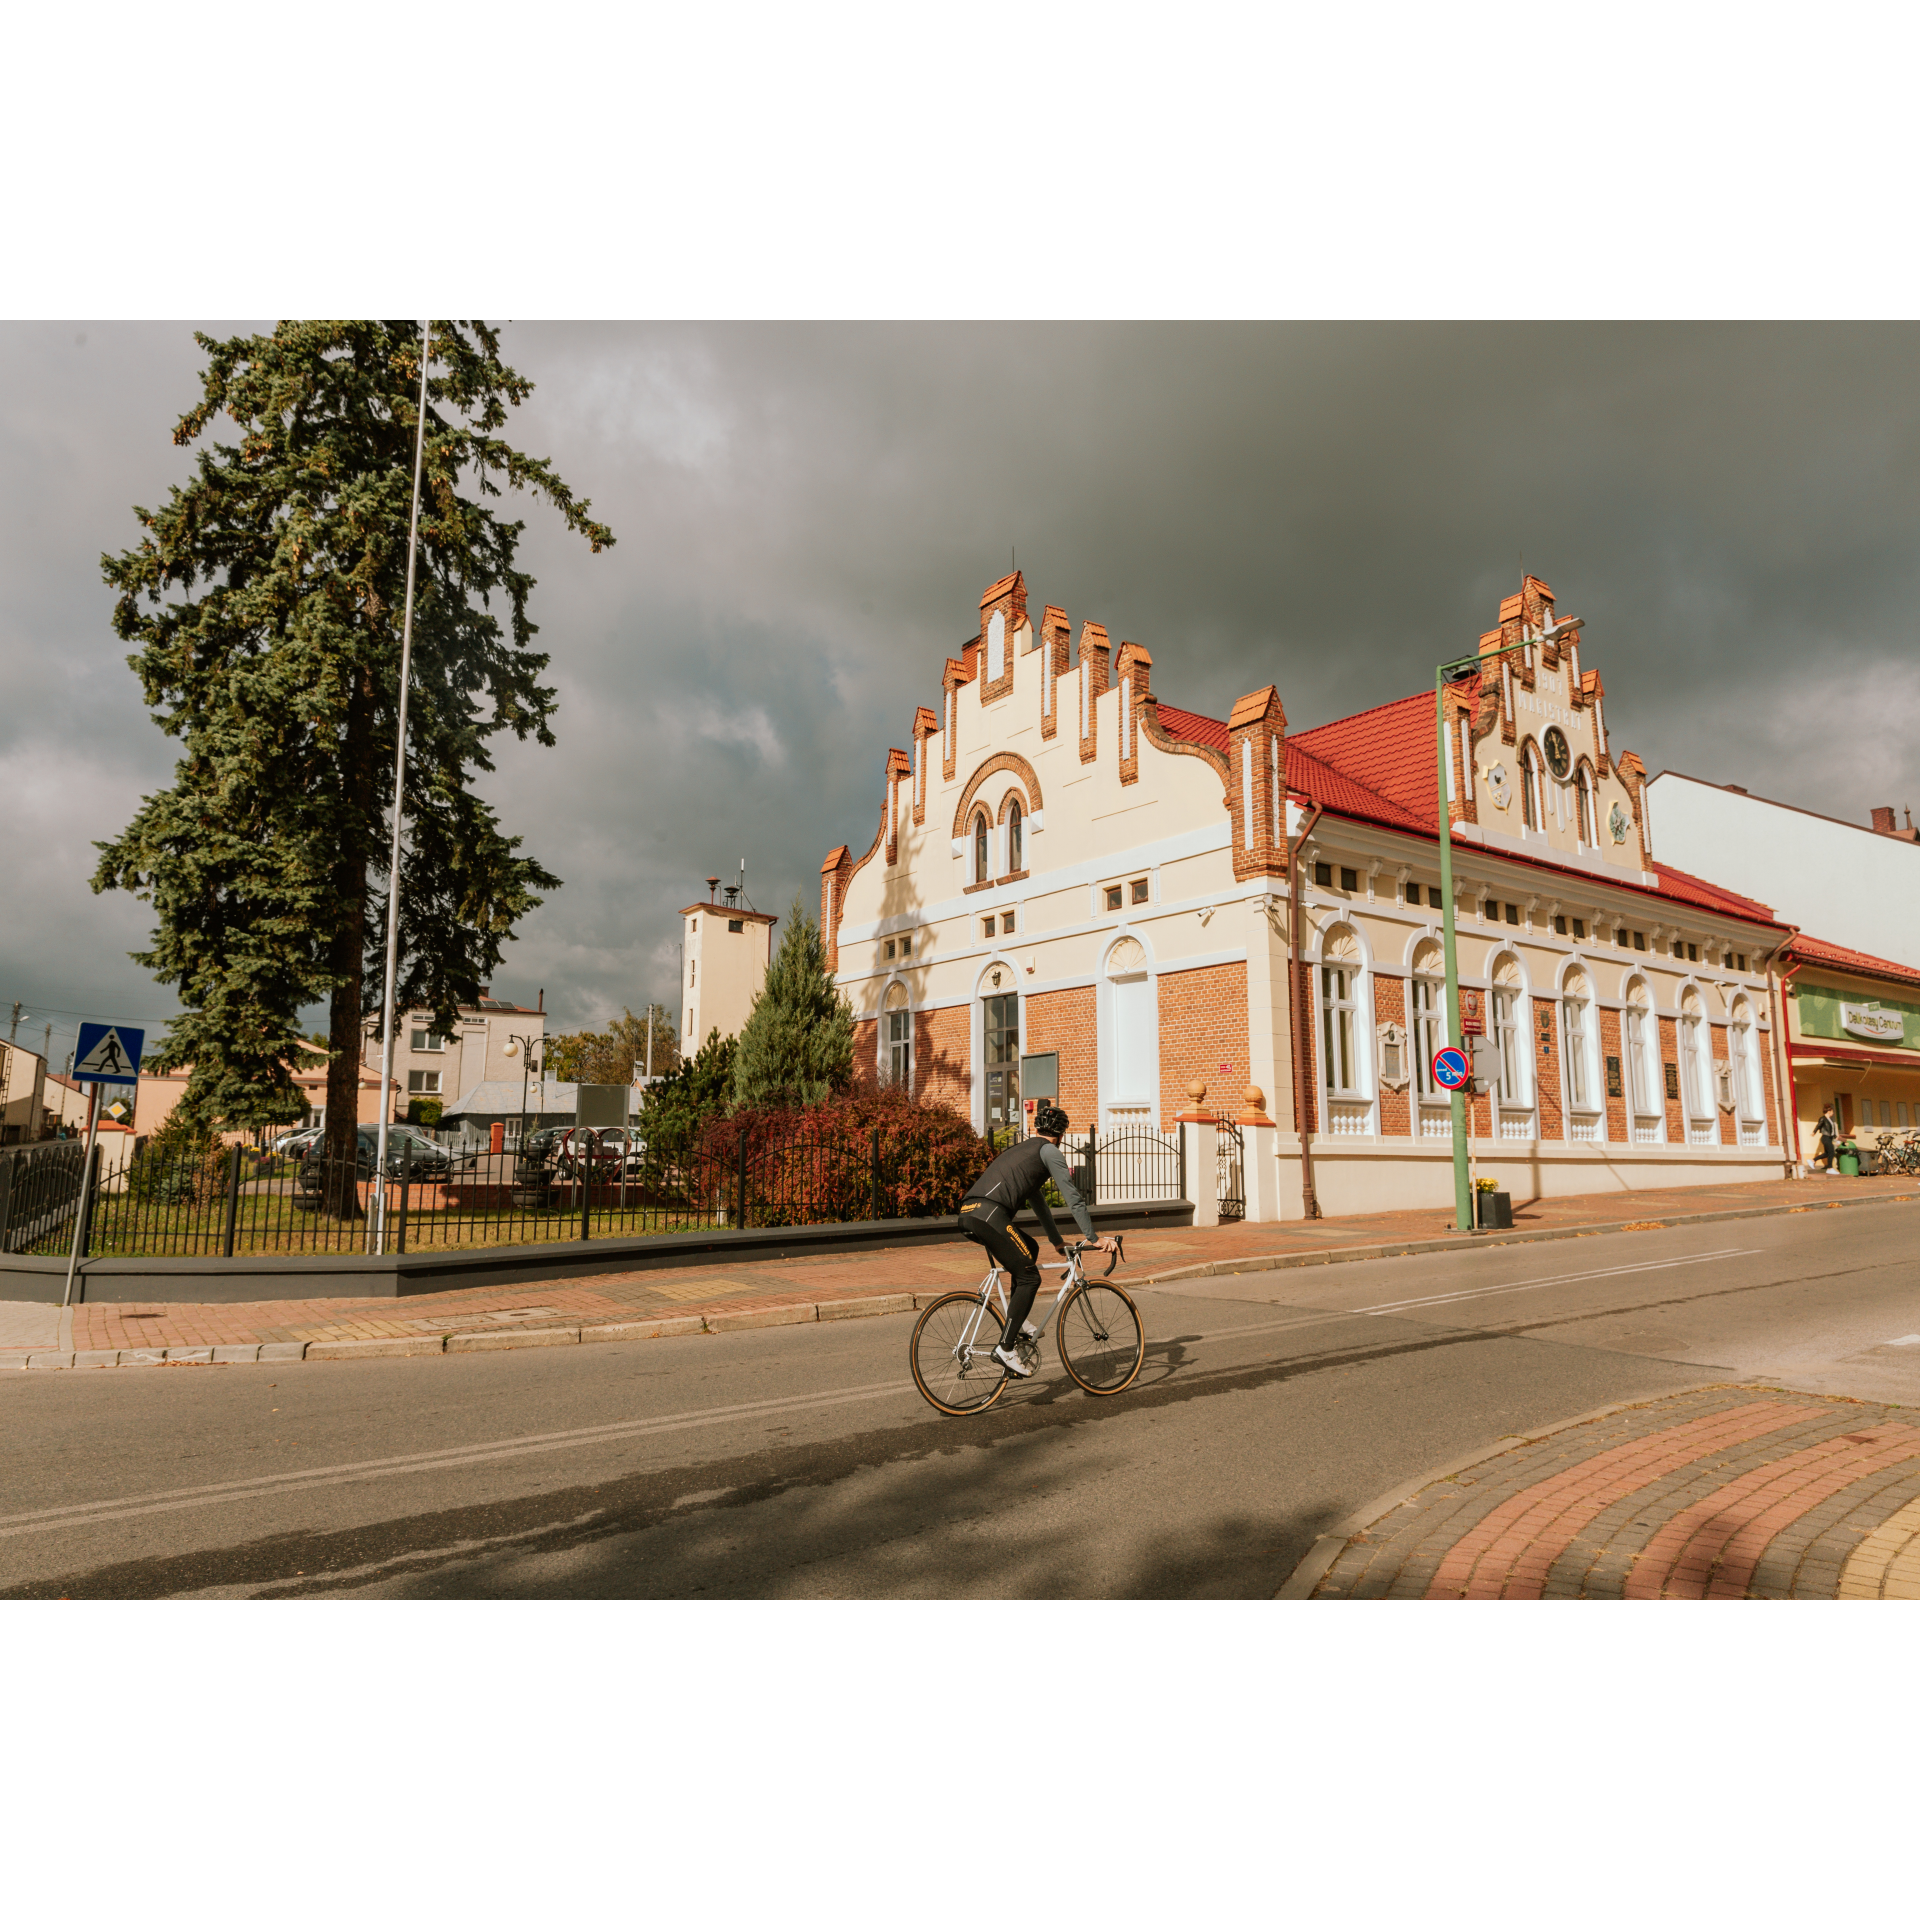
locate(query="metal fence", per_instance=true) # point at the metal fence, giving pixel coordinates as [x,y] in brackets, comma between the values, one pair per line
[239,1201]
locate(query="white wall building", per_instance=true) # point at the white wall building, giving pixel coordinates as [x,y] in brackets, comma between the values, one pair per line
[1857,886]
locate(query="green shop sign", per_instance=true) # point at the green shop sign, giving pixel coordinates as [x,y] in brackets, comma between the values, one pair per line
[1828,1015]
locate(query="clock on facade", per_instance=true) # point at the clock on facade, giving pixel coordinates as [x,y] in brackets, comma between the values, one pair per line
[1559,760]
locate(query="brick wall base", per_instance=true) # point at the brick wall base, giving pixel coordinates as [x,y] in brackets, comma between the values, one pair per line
[1065,1023]
[1203,1021]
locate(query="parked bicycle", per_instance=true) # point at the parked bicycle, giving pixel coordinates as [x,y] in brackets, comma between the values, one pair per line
[1099,1337]
[1899,1153]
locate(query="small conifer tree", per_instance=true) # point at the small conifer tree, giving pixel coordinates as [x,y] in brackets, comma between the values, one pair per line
[797,1046]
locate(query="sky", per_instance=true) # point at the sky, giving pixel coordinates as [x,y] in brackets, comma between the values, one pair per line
[807,514]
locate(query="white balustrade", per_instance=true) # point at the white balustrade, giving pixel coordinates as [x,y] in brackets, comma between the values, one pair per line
[1350,1117]
[1646,1133]
[1584,1130]
[1753,1133]
[1516,1126]
[1436,1126]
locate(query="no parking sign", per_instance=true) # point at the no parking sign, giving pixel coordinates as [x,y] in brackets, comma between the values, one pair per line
[1450,1068]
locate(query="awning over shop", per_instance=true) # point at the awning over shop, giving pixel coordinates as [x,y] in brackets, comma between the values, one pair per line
[1853,1059]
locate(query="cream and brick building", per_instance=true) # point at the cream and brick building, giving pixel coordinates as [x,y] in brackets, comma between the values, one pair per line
[724,949]
[1064,864]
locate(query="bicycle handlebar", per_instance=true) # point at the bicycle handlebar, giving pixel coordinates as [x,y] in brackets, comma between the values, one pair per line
[1117,1254]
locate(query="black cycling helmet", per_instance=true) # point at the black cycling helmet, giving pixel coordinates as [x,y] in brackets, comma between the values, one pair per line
[1050,1120]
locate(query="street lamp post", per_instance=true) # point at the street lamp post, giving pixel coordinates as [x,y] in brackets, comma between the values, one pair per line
[1454,673]
[524,1048]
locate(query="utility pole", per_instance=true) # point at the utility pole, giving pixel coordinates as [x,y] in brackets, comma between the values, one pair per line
[13,1030]
[1456,673]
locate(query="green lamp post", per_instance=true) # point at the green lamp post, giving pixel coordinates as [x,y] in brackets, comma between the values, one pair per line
[1454,673]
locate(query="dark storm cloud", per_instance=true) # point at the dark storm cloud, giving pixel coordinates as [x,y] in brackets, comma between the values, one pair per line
[807,515]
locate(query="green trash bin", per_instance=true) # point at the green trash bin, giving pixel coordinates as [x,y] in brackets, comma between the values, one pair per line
[1849,1157]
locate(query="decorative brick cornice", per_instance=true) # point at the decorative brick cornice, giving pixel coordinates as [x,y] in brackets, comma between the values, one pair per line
[899,770]
[1133,673]
[1000,763]
[925,722]
[1006,602]
[1056,642]
[1256,783]
[835,871]
[1094,663]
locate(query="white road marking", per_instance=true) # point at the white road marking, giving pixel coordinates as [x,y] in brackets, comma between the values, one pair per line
[220,1493]
[1560,1280]
[1905,1340]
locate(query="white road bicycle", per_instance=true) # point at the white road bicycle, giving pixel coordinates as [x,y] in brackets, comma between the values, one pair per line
[953,1340]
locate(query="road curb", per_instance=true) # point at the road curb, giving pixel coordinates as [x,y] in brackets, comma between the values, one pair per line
[479,1340]
[1327,1547]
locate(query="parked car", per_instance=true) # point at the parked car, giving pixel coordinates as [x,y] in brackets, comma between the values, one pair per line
[429,1162]
[600,1151]
[292,1145]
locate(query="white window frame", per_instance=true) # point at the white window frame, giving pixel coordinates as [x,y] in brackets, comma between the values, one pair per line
[982,852]
[1016,834]
[425,1040]
[1579,1032]
[1511,1044]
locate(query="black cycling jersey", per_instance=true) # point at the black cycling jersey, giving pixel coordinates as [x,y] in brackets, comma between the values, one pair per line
[1018,1178]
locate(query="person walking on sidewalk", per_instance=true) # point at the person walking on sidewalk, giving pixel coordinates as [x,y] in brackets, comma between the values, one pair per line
[1018,1178]
[1826,1133]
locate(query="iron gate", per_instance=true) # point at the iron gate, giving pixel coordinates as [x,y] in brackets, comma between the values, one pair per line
[1230,1164]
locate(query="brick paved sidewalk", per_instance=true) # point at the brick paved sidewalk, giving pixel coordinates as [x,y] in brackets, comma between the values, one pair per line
[1717,1493]
[720,1292]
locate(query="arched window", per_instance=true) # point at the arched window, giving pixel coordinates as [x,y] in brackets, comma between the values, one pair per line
[982,857]
[1588,838]
[1578,1038]
[896,1040]
[1133,1058]
[1510,1040]
[1530,804]
[1340,1066]
[1696,1069]
[1643,1068]
[1743,1049]
[1429,1016]
[1014,823]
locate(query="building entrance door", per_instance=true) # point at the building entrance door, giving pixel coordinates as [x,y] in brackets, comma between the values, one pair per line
[1003,1060]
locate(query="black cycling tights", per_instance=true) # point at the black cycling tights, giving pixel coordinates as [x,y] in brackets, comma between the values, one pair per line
[1011,1249]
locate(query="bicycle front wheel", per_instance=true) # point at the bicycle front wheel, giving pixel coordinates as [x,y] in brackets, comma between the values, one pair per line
[1100,1340]
[952,1353]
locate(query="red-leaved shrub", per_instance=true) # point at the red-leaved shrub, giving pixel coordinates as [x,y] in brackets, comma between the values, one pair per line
[811,1164]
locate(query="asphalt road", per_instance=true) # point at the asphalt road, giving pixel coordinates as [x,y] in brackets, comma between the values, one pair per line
[801,1461]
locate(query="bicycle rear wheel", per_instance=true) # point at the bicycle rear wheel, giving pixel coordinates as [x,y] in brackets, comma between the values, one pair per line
[1101,1345]
[952,1353]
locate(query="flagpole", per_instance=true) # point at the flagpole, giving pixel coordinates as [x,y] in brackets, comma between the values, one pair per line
[399,792]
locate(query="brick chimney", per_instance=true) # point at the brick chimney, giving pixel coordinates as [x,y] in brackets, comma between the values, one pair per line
[1883,820]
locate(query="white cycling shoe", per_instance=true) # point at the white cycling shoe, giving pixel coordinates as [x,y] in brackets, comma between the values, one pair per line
[1013,1363]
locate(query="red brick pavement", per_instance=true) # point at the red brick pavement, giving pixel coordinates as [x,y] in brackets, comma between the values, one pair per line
[1714,1493]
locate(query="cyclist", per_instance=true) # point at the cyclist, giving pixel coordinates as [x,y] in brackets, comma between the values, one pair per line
[1017,1179]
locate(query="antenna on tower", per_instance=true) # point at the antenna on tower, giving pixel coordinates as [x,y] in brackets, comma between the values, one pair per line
[743,887]
[713,886]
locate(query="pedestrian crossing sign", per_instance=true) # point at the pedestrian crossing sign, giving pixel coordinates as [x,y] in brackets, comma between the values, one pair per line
[108,1054]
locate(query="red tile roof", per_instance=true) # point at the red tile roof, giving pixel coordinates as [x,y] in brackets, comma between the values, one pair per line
[1388,751]
[1183,725]
[1823,953]
[1703,893]
[1308,774]
[1379,766]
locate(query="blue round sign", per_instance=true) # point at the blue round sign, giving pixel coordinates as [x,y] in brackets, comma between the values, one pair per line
[1450,1068]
